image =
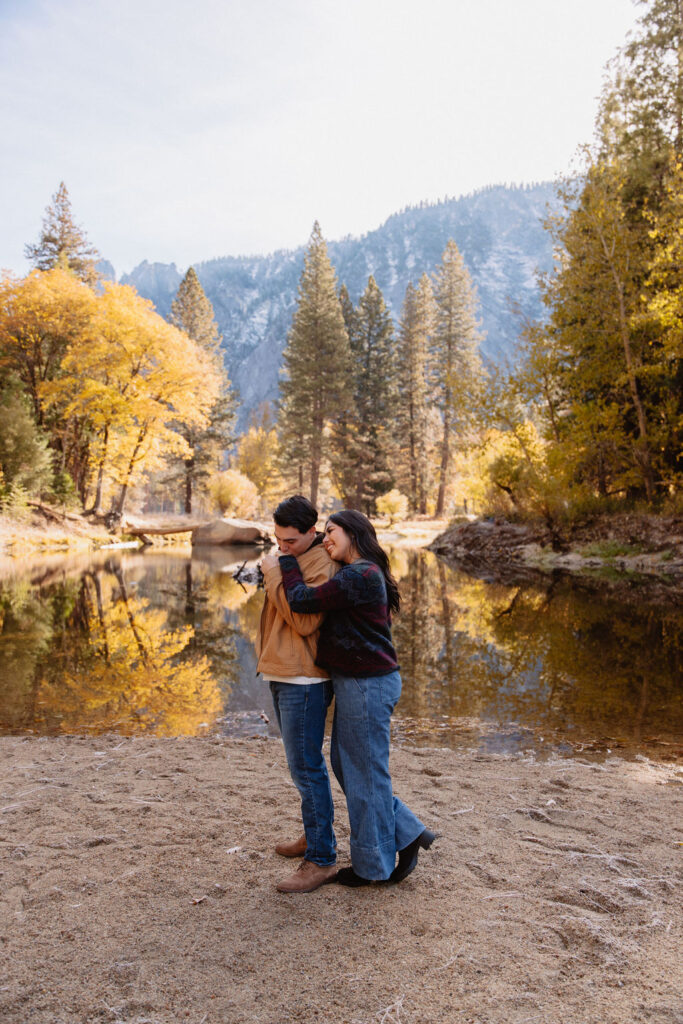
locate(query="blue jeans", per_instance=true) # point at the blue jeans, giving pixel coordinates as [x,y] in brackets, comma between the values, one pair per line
[301,711]
[380,823]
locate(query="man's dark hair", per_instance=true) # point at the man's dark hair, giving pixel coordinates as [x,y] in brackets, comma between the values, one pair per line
[296,511]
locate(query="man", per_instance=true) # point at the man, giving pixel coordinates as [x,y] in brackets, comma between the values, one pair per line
[301,691]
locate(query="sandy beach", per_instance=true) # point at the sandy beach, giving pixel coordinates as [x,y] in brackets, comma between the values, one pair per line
[138,885]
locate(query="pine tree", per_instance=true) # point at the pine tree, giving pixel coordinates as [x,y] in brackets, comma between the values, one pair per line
[374,392]
[62,243]
[456,367]
[642,107]
[616,375]
[596,301]
[415,330]
[344,431]
[25,459]
[315,390]
[192,312]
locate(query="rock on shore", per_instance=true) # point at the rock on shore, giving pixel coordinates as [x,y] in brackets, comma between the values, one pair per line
[635,546]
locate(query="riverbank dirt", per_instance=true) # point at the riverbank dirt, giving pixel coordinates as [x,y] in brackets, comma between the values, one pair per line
[43,529]
[137,885]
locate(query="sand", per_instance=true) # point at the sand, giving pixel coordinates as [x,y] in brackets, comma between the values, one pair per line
[137,884]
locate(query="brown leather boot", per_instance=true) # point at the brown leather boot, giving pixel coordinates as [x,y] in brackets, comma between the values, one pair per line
[292,847]
[308,877]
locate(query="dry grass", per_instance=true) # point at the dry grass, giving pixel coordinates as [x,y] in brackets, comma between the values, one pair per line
[35,533]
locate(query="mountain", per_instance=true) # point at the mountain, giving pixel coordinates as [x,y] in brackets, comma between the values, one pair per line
[499,231]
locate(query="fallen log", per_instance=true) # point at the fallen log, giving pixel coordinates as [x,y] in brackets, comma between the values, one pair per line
[158,526]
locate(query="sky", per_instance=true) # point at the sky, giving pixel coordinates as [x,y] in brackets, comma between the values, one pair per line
[192,129]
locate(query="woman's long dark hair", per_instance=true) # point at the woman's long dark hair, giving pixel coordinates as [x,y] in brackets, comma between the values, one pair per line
[362,533]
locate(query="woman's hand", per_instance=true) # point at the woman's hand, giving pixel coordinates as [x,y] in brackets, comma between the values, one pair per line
[268,561]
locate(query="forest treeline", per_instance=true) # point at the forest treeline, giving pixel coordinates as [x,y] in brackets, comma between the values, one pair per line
[101,398]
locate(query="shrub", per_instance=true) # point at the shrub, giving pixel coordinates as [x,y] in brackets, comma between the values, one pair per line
[62,490]
[25,461]
[233,493]
[393,504]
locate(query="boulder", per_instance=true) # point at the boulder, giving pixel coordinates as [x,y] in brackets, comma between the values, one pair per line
[230,531]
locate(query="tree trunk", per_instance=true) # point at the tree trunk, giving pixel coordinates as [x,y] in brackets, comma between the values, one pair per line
[642,455]
[445,457]
[189,466]
[129,472]
[315,478]
[97,504]
[412,497]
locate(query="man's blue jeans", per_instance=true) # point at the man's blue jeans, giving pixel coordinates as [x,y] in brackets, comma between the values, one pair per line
[301,711]
[380,823]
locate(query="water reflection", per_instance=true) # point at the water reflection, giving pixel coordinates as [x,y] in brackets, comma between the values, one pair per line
[163,643]
[556,659]
[135,644]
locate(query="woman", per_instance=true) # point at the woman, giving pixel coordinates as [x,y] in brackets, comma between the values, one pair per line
[356,648]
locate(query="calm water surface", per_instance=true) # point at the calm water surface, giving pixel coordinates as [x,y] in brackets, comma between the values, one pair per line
[163,643]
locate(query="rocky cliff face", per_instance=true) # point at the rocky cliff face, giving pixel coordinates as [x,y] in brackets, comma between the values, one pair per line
[498,230]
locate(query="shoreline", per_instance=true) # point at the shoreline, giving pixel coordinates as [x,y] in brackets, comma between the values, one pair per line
[138,885]
[607,550]
[632,555]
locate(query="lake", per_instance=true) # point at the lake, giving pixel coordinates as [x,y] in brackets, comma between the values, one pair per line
[162,643]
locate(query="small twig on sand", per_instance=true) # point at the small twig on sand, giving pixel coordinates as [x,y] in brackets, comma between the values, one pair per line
[394,1008]
[502,895]
[382,1016]
[451,960]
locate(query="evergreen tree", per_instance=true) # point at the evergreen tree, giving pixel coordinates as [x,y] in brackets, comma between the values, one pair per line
[641,109]
[615,394]
[315,390]
[62,243]
[455,363]
[413,389]
[595,301]
[192,312]
[344,430]
[25,460]
[374,393]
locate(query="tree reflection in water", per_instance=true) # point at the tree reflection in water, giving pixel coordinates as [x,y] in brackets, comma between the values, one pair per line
[556,658]
[109,657]
[163,643]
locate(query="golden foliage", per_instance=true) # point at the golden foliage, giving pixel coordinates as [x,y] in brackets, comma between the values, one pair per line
[135,676]
[233,493]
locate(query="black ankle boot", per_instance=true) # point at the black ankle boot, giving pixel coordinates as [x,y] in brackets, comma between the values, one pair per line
[347,876]
[407,857]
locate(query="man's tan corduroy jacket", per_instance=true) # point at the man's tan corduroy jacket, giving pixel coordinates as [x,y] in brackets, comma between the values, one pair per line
[288,640]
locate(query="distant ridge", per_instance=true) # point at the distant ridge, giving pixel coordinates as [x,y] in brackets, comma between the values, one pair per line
[498,229]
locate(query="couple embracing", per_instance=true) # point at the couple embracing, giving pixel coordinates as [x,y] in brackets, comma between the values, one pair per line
[326,631]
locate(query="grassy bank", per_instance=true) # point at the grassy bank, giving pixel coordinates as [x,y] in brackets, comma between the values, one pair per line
[44,529]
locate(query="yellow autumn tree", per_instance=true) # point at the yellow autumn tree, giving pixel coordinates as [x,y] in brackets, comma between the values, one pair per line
[138,380]
[40,317]
[257,455]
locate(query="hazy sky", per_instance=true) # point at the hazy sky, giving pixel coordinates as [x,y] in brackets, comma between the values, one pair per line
[188,129]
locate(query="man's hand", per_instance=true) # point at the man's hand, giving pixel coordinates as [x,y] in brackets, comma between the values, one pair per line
[269,561]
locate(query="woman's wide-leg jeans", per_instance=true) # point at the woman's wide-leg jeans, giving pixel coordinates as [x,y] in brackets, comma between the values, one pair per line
[380,823]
